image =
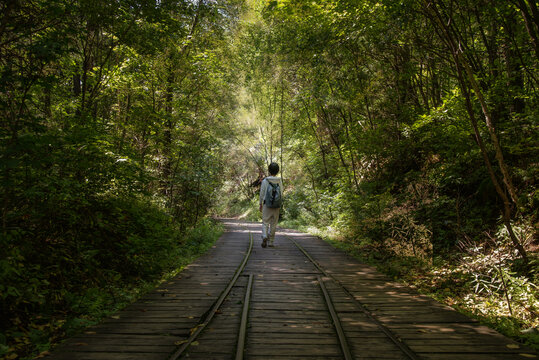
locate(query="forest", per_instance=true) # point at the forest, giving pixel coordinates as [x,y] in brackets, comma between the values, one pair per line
[406,131]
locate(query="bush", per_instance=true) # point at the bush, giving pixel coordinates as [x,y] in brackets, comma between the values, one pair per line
[84,262]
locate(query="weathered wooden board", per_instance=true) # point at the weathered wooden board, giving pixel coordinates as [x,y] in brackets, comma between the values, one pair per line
[288,316]
[430,329]
[149,328]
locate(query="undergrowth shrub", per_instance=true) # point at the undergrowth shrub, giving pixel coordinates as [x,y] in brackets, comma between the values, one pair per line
[93,255]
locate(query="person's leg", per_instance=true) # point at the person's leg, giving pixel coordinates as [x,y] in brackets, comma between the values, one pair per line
[265,225]
[273,225]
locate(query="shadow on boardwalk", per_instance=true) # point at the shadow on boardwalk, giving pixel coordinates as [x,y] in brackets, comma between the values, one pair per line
[288,316]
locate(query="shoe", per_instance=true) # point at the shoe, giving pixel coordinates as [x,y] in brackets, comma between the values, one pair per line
[271,245]
[264,242]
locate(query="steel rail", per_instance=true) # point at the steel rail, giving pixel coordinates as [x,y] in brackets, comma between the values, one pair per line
[242,335]
[336,321]
[401,345]
[209,315]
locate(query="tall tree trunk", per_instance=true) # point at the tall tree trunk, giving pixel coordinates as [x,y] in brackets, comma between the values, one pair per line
[167,135]
[466,76]
[170,124]
[282,129]
[126,119]
[318,140]
[336,143]
[515,80]
[352,157]
[531,20]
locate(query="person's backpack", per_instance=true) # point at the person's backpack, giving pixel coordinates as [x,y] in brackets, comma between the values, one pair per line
[273,196]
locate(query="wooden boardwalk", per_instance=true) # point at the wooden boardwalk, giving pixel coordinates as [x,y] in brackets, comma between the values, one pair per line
[301,299]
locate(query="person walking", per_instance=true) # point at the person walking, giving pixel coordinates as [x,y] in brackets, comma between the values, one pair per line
[271,190]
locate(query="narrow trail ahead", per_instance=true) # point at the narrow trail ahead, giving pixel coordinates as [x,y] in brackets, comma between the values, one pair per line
[301,299]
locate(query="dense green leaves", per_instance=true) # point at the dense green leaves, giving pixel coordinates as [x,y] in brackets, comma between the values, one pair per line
[408,127]
[112,119]
[375,102]
[405,128]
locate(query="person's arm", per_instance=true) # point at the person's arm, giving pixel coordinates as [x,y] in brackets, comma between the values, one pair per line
[263,187]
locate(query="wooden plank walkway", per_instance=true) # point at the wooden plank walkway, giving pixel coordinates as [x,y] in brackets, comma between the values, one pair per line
[288,315]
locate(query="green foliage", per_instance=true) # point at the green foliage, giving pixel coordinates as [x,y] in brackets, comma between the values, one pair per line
[122,123]
[471,283]
[112,120]
[44,303]
[367,108]
[398,133]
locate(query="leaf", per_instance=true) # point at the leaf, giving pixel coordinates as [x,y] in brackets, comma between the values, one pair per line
[115,317]
[512,346]
[43,354]
[192,331]
[530,356]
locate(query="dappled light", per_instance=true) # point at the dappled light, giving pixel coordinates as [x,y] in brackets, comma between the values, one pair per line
[134,134]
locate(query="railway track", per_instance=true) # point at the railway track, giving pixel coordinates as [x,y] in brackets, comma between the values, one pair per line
[184,345]
[344,344]
[299,300]
[320,277]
